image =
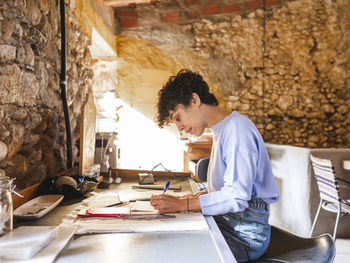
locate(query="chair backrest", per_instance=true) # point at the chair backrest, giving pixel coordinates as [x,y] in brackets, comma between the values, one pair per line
[288,247]
[202,169]
[325,177]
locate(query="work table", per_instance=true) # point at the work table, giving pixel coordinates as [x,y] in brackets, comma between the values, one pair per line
[168,246]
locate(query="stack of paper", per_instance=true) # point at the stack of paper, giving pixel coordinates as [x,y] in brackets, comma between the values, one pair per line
[25,241]
[142,223]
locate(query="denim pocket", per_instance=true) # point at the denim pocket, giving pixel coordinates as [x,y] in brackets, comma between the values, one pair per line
[256,215]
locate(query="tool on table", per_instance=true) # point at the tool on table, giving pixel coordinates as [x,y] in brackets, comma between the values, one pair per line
[146,178]
[157,187]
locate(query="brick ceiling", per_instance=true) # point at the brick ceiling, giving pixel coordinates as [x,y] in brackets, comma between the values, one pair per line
[121,3]
[181,11]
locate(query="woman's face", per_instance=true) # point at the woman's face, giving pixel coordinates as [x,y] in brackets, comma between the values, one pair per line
[188,119]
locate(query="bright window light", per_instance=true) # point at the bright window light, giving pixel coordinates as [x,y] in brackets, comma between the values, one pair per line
[141,142]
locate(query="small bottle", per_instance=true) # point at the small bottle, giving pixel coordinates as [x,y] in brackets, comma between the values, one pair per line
[6,207]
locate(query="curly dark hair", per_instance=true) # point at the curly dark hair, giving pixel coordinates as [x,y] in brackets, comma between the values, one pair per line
[178,90]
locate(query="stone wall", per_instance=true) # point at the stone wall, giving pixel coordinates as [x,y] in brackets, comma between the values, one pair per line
[298,92]
[32,129]
[285,66]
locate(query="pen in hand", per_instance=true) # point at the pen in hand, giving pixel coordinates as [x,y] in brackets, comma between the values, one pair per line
[166,187]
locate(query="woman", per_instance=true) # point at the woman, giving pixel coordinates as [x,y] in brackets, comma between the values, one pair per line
[240,179]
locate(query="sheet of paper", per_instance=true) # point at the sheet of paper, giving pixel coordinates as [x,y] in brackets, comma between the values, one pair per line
[142,207]
[125,196]
[102,199]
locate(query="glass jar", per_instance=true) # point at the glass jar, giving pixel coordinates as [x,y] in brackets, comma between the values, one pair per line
[6,208]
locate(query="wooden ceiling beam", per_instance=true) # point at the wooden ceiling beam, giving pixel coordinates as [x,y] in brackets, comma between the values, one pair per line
[120,3]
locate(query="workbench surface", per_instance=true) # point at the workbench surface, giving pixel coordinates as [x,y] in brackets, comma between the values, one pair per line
[175,246]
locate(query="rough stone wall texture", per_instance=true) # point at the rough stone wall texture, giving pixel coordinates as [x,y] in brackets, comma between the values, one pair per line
[32,129]
[92,14]
[285,66]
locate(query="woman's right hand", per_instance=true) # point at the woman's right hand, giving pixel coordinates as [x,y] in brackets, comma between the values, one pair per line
[165,203]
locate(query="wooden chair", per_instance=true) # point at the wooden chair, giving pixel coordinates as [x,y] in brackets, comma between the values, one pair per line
[329,187]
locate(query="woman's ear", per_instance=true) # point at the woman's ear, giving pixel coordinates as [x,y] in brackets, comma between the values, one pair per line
[195,99]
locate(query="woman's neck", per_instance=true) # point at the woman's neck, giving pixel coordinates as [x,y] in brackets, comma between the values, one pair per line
[214,114]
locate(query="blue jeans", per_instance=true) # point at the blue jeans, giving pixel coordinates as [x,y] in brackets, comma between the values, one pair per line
[247,233]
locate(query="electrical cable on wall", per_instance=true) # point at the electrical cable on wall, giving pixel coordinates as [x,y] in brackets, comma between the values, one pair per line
[63,83]
[263,62]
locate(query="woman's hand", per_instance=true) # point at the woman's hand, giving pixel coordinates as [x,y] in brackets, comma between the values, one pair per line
[168,204]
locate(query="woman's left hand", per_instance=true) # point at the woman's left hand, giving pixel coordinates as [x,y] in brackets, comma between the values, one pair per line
[168,204]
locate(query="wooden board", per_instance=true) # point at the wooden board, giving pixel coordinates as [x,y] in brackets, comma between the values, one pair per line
[87,134]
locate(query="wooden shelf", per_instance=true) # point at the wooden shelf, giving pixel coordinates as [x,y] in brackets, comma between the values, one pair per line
[195,151]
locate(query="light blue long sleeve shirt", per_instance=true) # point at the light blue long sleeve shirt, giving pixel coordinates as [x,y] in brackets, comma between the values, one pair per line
[239,168]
